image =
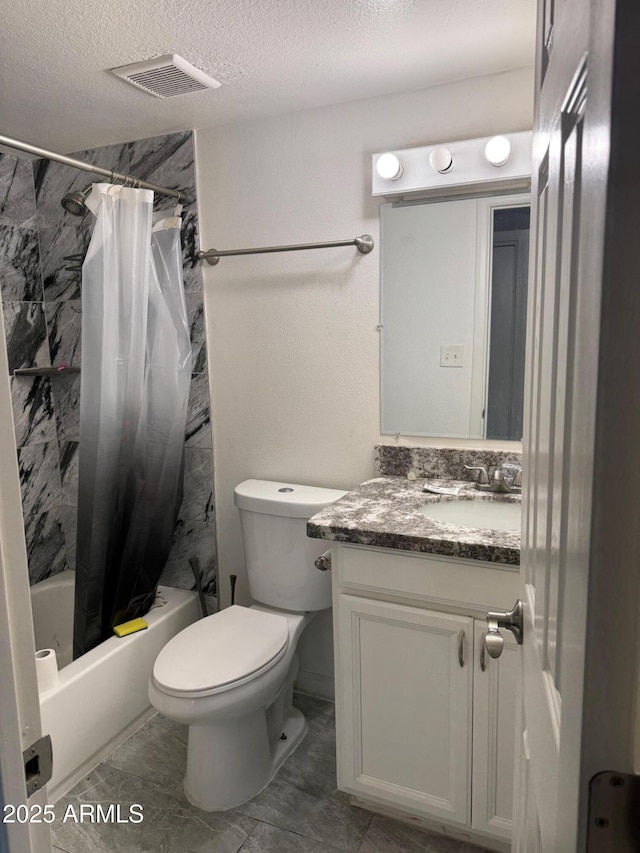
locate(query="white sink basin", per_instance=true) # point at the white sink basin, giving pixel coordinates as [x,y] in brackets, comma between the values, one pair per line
[492,515]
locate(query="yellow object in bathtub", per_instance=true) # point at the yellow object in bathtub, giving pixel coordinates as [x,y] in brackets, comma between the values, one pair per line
[130,627]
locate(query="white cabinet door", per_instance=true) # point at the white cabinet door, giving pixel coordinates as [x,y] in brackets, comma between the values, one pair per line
[404,707]
[494,728]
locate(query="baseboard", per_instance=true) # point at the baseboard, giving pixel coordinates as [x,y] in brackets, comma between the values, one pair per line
[314,684]
[434,827]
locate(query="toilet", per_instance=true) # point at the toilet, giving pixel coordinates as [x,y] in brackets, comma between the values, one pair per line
[230,677]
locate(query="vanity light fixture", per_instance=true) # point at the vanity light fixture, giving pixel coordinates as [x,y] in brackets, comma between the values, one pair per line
[441,160]
[498,150]
[389,167]
[501,161]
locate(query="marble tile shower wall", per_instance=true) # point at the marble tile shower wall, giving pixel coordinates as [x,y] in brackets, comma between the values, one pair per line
[42,302]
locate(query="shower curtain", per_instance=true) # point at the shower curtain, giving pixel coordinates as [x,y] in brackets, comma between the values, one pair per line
[136,369]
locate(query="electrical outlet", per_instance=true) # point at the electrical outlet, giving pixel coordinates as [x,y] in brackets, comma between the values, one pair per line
[451,356]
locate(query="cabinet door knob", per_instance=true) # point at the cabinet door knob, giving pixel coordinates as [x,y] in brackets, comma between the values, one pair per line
[461,644]
[483,653]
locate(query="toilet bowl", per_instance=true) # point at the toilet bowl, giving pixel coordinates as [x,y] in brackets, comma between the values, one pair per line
[230,676]
[236,700]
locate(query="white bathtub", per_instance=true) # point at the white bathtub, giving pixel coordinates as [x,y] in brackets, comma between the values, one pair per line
[101,698]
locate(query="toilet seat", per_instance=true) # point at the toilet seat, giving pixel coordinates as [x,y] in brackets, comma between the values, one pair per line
[221,652]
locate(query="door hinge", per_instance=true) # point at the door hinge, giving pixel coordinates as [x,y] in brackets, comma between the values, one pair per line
[614,813]
[38,764]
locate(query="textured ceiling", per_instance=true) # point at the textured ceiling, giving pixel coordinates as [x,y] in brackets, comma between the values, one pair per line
[272,57]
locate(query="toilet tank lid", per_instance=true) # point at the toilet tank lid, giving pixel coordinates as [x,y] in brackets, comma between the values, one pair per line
[285,499]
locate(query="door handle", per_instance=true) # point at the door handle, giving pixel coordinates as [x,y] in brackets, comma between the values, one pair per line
[493,641]
[512,619]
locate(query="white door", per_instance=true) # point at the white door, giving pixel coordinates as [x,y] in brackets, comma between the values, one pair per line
[19,705]
[406,684]
[579,568]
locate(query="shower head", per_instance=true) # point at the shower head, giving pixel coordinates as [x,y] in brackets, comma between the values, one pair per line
[75,202]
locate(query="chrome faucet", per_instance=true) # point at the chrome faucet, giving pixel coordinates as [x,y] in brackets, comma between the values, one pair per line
[505,479]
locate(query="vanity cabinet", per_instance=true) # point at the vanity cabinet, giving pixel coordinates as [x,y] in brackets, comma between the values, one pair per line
[425,721]
[494,732]
[406,706]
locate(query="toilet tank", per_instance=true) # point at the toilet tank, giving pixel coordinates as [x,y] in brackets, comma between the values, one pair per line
[280,557]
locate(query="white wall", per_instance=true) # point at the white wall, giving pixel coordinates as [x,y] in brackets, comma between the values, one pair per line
[292,340]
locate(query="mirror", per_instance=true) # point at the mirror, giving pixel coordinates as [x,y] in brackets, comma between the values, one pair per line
[453,316]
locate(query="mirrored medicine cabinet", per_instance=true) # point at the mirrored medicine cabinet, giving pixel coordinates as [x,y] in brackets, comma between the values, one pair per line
[453,316]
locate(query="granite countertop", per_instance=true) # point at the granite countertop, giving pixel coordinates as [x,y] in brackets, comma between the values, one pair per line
[382,512]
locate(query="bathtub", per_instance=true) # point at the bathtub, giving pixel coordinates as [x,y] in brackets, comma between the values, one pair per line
[101,698]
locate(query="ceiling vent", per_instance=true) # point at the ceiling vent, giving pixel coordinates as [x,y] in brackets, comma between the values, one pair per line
[166,76]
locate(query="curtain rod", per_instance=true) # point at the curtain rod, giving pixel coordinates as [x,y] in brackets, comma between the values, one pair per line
[113,176]
[364,244]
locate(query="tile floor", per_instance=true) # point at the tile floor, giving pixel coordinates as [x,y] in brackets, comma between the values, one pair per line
[299,812]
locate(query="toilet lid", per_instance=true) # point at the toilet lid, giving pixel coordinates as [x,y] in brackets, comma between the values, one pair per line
[219,650]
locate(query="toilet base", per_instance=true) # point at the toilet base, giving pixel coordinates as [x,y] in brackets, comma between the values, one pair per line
[232,764]
[295,728]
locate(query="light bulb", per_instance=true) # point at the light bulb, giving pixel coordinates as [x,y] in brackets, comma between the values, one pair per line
[389,167]
[441,160]
[498,150]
